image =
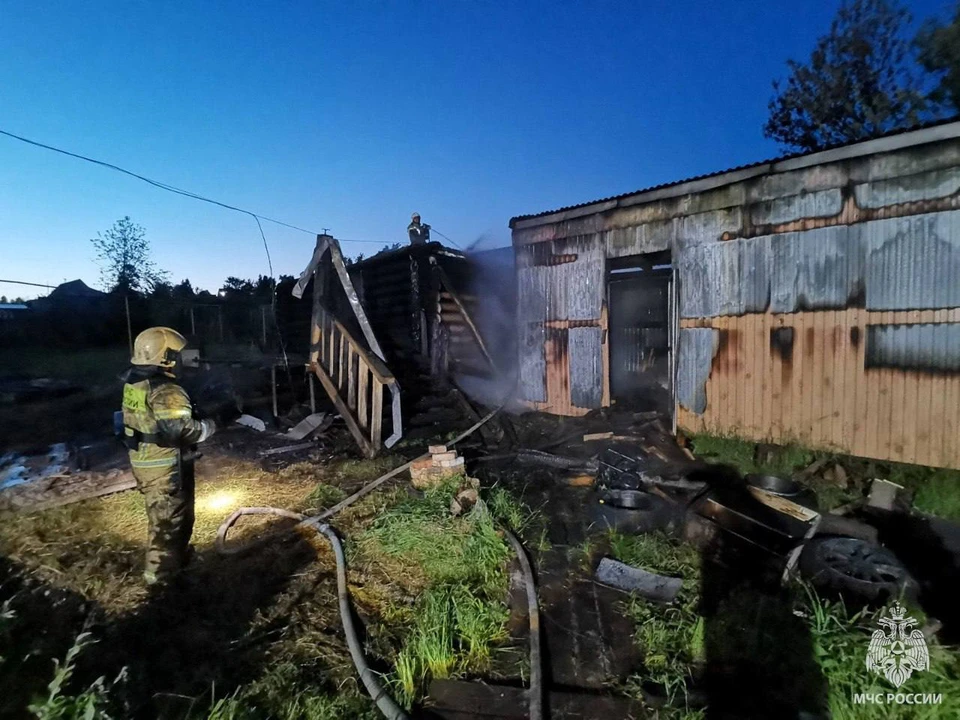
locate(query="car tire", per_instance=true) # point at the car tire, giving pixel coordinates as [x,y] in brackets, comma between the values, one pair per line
[856,570]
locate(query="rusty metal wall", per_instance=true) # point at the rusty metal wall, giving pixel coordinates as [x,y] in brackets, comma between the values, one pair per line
[815,386]
[856,349]
[560,300]
[821,286]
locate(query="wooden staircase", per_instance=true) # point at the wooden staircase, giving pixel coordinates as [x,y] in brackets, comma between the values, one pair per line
[355,380]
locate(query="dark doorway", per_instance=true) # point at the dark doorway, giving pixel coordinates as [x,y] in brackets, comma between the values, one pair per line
[639,299]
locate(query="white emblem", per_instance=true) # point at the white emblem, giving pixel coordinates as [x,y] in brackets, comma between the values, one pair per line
[896,654]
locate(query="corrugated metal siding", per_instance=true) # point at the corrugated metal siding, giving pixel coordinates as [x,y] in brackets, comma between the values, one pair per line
[560,297]
[815,269]
[796,274]
[586,370]
[913,262]
[818,391]
[921,347]
[532,385]
[698,346]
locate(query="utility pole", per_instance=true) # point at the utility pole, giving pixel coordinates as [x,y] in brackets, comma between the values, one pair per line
[126,304]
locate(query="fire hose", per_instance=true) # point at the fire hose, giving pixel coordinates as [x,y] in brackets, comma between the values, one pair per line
[384,702]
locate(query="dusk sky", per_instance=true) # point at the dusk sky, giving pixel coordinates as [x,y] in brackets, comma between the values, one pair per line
[351,115]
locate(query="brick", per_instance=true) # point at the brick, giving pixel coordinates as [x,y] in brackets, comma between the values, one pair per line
[440,457]
[437,449]
[452,463]
[422,464]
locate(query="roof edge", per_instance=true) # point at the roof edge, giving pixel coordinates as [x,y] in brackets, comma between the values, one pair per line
[945,130]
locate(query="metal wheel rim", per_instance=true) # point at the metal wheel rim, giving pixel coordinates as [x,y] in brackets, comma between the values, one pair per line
[862,562]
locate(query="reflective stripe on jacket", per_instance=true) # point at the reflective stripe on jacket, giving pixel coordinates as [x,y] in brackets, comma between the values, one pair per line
[160,408]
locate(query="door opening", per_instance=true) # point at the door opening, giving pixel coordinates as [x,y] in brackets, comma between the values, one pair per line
[639,292]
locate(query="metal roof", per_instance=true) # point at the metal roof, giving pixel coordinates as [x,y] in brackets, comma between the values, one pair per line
[759,164]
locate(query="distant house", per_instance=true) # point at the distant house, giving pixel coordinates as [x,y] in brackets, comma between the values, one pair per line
[11,311]
[75,294]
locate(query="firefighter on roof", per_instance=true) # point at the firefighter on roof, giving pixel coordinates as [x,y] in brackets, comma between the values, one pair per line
[419,232]
[161,433]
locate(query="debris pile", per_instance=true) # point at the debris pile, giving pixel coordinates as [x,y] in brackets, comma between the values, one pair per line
[60,476]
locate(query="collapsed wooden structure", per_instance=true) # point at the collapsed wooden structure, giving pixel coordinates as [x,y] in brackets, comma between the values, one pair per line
[396,319]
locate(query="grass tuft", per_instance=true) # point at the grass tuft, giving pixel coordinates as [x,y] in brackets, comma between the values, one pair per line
[90,704]
[939,494]
[840,638]
[657,552]
[509,510]
[671,637]
[325,496]
[455,567]
[418,536]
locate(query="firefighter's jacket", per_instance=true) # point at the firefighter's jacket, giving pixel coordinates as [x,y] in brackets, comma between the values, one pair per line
[158,422]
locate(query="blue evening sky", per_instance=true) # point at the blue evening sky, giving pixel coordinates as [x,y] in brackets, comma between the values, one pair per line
[350,115]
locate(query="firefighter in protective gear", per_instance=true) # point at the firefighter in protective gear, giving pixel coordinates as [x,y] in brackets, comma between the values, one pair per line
[418,232]
[161,433]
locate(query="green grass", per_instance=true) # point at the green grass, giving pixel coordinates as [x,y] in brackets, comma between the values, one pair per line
[936,491]
[459,565]
[729,451]
[89,704]
[671,637]
[840,639]
[509,510]
[656,552]
[783,461]
[419,535]
[742,455]
[324,496]
[285,692]
[940,495]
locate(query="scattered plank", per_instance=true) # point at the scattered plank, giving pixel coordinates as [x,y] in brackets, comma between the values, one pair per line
[658,588]
[590,437]
[310,424]
[459,700]
[286,449]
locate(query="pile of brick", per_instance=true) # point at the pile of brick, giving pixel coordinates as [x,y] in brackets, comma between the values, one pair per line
[441,465]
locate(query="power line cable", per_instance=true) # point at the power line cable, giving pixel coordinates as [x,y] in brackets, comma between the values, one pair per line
[170,188]
[155,183]
[432,228]
[21,282]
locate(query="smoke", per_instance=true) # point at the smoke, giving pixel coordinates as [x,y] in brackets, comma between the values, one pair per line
[493,282]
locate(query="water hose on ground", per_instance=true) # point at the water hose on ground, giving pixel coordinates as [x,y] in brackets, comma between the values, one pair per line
[386,704]
[536,669]
[346,502]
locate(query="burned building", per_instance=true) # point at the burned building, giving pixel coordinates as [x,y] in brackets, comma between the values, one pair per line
[409,318]
[814,299]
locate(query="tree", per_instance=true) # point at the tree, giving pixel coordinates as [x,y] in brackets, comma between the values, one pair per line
[183,291]
[858,82]
[124,255]
[234,286]
[938,50]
